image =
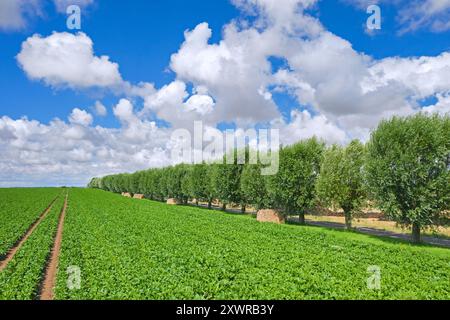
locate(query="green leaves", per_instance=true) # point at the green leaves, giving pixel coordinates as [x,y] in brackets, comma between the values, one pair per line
[131,249]
[19,208]
[253,186]
[22,277]
[408,168]
[293,188]
[341,179]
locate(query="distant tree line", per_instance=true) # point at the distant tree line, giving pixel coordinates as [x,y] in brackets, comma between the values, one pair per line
[404,170]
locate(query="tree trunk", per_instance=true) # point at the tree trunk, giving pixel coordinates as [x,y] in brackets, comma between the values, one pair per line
[348,219]
[196,202]
[243,208]
[301,218]
[416,233]
[209,204]
[224,206]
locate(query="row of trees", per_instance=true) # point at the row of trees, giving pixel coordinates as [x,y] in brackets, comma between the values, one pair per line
[404,169]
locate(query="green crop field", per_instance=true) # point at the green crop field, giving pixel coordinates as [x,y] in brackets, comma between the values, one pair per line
[132,249]
[19,208]
[22,277]
[139,249]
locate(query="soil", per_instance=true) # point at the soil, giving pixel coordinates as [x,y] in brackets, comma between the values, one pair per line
[51,272]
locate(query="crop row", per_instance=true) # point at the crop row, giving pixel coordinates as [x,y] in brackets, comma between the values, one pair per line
[131,249]
[23,275]
[19,208]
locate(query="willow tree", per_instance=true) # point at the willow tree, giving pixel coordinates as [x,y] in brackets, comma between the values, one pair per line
[227,180]
[198,183]
[253,186]
[408,170]
[341,179]
[292,189]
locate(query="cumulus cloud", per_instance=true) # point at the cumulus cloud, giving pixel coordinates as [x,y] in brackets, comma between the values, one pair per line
[67,60]
[72,152]
[423,76]
[80,117]
[233,72]
[304,126]
[442,106]
[202,104]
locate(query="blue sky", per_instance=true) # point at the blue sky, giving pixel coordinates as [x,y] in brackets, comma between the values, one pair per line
[141,37]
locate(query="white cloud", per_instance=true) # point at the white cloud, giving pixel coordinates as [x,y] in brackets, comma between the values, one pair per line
[304,126]
[233,72]
[80,117]
[202,104]
[413,15]
[71,153]
[285,14]
[68,60]
[442,106]
[423,76]
[100,109]
[14,13]
[134,129]
[430,14]
[61,5]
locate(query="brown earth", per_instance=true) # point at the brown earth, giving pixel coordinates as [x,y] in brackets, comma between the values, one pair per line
[48,285]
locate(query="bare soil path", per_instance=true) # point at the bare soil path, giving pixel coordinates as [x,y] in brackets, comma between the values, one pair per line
[49,282]
[365,230]
[376,232]
[10,255]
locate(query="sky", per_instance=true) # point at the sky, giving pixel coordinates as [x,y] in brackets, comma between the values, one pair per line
[108,97]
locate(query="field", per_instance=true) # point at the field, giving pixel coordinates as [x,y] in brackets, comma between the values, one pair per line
[19,208]
[138,249]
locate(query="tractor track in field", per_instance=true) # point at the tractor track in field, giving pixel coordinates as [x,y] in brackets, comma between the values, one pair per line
[16,247]
[51,269]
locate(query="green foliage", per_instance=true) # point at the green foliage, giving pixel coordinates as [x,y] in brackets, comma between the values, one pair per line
[174,178]
[130,249]
[199,182]
[341,179]
[408,168]
[227,179]
[293,187]
[19,208]
[21,278]
[253,187]
[95,183]
[211,193]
